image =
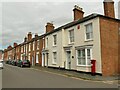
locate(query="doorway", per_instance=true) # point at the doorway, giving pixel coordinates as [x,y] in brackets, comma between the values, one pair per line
[47,57]
[68,59]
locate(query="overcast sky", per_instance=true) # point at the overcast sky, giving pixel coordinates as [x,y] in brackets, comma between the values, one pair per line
[19,18]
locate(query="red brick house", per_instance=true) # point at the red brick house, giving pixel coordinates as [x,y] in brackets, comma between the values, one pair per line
[1,54]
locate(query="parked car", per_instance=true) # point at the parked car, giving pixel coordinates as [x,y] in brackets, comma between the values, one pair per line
[8,61]
[14,62]
[1,64]
[23,63]
[19,63]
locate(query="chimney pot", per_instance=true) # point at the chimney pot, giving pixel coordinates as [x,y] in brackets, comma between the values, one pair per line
[15,44]
[29,36]
[36,35]
[25,39]
[78,13]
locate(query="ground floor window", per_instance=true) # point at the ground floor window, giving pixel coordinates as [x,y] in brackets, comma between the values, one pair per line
[84,56]
[37,58]
[54,57]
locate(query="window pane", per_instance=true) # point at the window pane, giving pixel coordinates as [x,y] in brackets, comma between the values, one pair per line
[71,35]
[55,39]
[83,61]
[83,52]
[81,57]
[54,57]
[89,31]
[88,52]
[88,57]
[88,61]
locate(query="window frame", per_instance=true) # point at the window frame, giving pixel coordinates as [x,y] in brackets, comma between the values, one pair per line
[54,42]
[38,44]
[33,45]
[69,36]
[54,58]
[90,32]
[86,57]
[29,47]
[46,41]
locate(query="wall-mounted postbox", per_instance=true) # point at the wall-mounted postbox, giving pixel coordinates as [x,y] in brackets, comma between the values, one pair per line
[93,67]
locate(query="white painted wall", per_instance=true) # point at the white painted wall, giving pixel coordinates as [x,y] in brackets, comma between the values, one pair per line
[57,48]
[80,41]
[63,40]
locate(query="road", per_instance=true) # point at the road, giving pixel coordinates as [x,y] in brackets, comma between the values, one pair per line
[16,77]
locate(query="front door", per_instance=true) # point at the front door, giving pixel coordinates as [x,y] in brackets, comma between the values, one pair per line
[47,57]
[68,61]
[37,58]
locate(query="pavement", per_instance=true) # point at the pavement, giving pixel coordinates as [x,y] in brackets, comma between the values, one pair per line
[37,77]
[0,79]
[85,76]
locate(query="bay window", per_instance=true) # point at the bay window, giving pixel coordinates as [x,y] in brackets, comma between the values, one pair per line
[84,56]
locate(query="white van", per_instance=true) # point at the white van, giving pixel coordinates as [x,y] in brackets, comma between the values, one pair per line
[1,64]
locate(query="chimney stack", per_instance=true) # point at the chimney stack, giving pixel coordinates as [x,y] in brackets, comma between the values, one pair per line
[29,36]
[15,44]
[36,35]
[109,8]
[25,39]
[78,13]
[49,27]
[9,47]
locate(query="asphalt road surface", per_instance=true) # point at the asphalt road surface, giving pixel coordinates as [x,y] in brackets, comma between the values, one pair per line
[16,77]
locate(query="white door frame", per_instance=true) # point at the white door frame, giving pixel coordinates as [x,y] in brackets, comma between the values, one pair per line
[68,62]
[43,59]
[32,60]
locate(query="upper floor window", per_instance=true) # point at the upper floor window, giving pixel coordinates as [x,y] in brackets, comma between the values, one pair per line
[46,42]
[26,47]
[33,45]
[54,40]
[29,46]
[71,36]
[38,43]
[89,31]
[22,49]
[17,49]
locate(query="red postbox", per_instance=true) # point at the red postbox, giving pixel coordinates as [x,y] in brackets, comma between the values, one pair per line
[93,67]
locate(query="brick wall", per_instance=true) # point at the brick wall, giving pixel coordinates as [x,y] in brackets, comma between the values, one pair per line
[109,46]
[5,56]
[119,51]
[0,55]
[40,51]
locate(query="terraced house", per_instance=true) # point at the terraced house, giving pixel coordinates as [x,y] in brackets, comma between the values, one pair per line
[73,45]
[30,49]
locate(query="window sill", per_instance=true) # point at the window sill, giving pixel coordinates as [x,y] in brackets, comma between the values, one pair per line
[88,40]
[84,65]
[72,43]
[54,63]
[54,45]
